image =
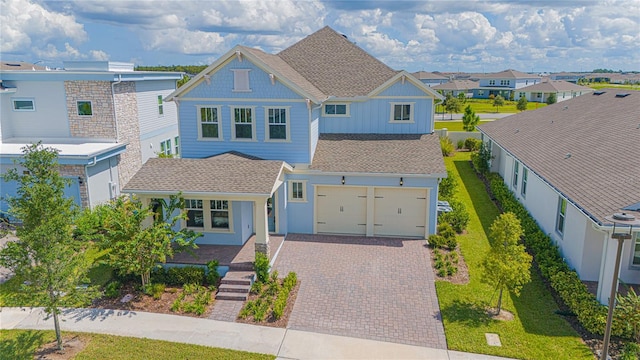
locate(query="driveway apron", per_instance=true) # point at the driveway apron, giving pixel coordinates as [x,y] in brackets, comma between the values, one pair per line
[372,288]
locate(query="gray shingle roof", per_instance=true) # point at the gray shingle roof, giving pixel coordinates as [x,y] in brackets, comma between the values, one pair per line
[509,74]
[335,65]
[554,86]
[379,153]
[457,85]
[425,75]
[601,132]
[228,173]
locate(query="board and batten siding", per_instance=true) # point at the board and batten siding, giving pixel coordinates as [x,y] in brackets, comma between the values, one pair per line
[49,120]
[147,100]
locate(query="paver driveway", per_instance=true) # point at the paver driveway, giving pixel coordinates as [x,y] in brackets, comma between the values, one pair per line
[373,288]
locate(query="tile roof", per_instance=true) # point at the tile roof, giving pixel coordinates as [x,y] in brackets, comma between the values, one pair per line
[457,85]
[379,153]
[600,132]
[335,65]
[228,173]
[555,86]
[508,74]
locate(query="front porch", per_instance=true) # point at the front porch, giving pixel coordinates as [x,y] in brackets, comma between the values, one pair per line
[236,257]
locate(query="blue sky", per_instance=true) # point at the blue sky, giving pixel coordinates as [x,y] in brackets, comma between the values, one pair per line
[445,35]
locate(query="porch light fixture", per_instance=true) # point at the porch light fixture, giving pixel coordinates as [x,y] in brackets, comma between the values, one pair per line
[343,180]
[623,219]
[401,181]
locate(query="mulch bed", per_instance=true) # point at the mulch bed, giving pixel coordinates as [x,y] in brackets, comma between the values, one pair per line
[459,278]
[270,321]
[143,302]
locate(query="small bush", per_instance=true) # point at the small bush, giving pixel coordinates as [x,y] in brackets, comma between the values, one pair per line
[458,218]
[631,351]
[446,145]
[261,267]
[460,144]
[472,144]
[445,230]
[481,159]
[112,290]
[155,290]
[436,241]
[448,186]
[178,276]
[213,276]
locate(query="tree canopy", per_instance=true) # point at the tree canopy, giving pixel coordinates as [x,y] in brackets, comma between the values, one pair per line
[470,119]
[522,104]
[497,102]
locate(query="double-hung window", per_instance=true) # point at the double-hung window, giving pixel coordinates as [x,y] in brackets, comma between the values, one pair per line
[505,82]
[401,112]
[243,125]
[297,191]
[23,105]
[195,213]
[525,175]
[514,180]
[492,82]
[277,119]
[176,145]
[160,105]
[562,214]
[209,123]
[219,214]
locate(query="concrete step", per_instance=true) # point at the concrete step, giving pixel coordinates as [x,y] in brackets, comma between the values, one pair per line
[238,278]
[232,296]
[231,288]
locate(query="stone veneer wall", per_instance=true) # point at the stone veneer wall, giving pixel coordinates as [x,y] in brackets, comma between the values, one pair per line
[101,124]
[77,171]
[126,104]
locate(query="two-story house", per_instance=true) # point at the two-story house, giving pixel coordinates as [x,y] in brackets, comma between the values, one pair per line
[572,165]
[105,119]
[319,138]
[504,83]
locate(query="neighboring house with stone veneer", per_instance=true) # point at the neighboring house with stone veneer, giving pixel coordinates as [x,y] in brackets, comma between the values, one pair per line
[319,138]
[571,165]
[105,119]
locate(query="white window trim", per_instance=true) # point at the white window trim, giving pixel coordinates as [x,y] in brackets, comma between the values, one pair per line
[204,220]
[13,104]
[525,182]
[634,243]
[287,124]
[235,73]
[347,110]
[206,217]
[78,112]
[233,122]
[412,110]
[160,105]
[290,191]
[515,174]
[176,146]
[564,222]
[168,147]
[199,114]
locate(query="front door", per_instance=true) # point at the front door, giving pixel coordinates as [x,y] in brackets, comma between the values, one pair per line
[271,213]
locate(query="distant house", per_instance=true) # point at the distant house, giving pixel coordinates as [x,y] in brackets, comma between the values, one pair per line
[504,83]
[570,165]
[562,89]
[430,79]
[105,118]
[319,138]
[456,87]
[567,76]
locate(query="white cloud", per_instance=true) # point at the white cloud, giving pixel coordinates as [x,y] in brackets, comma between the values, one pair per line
[183,41]
[51,52]
[26,24]
[98,55]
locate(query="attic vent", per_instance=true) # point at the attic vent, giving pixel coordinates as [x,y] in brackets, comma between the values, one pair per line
[10,64]
[598,92]
[621,95]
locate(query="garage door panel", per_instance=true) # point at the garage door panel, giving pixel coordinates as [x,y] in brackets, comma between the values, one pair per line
[341,210]
[400,212]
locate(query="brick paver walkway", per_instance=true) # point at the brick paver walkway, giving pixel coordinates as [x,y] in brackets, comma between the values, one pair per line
[373,288]
[226,310]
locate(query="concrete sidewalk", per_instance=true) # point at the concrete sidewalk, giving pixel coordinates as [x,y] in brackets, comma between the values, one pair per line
[284,343]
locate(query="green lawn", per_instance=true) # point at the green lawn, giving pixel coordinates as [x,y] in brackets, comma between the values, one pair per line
[616,86]
[536,332]
[452,125]
[485,106]
[21,344]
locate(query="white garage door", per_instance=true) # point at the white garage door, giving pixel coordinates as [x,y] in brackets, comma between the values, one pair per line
[341,210]
[400,212]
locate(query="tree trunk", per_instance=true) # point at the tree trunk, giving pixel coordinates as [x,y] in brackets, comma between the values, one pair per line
[56,324]
[499,303]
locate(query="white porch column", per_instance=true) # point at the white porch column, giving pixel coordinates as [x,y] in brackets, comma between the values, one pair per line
[262,226]
[607,263]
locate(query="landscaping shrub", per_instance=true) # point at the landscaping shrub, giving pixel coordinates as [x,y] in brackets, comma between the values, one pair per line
[481,158]
[448,186]
[272,297]
[200,298]
[472,144]
[261,267]
[112,290]
[213,276]
[458,218]
[564,280]
[436,241]
[460,144]
[631,351]
[155,290]
[445,264]
[177,276]
[446,145]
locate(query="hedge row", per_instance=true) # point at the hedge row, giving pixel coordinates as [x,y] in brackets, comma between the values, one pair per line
[564,280]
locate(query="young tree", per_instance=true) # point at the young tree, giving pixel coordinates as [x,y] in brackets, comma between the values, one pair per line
[552,99]
[452,105]
[462,98]
[497,102]
[448,186]
[136,237]
[46,259]
[507,264]
[522,104]
[470,119]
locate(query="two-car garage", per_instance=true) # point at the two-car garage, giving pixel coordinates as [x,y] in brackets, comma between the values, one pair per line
[372,211]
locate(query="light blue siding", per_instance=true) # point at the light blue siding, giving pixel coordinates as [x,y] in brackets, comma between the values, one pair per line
[400,89]
[373,117]
[242,213]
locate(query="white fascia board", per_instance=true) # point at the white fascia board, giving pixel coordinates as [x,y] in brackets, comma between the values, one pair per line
[200,194]
[364,174]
